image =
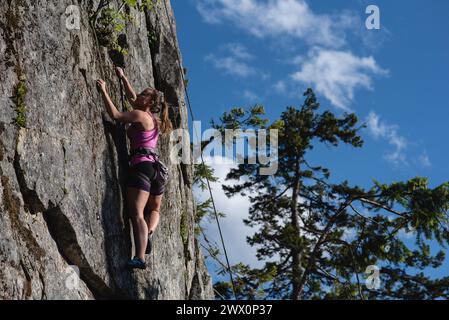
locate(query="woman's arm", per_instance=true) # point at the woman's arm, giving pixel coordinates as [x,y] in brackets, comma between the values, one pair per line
[127,117]
[130,93]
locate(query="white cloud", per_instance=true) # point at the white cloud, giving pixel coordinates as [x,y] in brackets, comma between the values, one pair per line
[349,234]
[424,160]
[379,129]
[265,76]
[238,51]
[390,133]
[330,70]
[277,18]
[231,66]
[374,40]
[336,74]
[236,209]
[233,60]
[280,87]
[251,96]
[406,235]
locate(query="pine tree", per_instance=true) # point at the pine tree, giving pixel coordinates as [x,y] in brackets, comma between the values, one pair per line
[317,238]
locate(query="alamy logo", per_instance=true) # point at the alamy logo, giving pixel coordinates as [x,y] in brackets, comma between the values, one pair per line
[72,277]
[232,144]
[373,20]
[373,277]
[73,17]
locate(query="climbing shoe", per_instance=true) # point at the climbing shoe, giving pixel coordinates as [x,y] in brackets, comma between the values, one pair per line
[149,244]
[136,263]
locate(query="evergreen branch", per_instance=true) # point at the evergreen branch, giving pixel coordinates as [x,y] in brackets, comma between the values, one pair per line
[382,206]
[210,249]
[354,265]
[362,216]
[318,244]
[212,255]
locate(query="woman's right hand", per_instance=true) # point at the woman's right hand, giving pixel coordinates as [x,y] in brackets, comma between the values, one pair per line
[101,84]
[119,72]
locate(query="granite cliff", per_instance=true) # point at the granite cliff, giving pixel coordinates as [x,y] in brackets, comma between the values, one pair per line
[63,161]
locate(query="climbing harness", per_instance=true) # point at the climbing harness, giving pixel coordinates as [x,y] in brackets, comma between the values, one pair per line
[162,171]
[162,168]
[201,154]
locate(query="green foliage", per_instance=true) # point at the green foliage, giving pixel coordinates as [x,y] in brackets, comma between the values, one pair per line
[317,237]
[205,211]
[19,100]
[112,22]
[239,118]
[186,81]
[184,228]
[248,282]
[143,6]
[152,38]
[149,4]
[131,3]
[109,26]
[427,207]
[201,174]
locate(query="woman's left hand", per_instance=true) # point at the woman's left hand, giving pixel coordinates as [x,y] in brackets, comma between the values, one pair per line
[101,84]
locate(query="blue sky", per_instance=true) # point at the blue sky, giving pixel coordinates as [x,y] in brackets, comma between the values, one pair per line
[396,79]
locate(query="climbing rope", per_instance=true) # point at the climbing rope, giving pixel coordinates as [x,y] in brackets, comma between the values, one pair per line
[201,154]
[122,99]
[97,44]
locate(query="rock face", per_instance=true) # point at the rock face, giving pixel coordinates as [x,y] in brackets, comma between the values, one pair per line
[63,161]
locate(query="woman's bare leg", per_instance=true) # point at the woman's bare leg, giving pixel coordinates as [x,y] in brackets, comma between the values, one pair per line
[152,212]
[137,200]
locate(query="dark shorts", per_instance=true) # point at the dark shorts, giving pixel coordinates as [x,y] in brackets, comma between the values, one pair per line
[142,176]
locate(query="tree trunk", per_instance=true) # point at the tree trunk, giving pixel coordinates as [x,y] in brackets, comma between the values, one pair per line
[296,254]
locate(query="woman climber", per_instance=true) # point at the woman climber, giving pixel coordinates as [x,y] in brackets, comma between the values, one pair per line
[145,188]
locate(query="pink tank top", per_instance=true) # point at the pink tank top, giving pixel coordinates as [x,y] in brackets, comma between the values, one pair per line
[142,139]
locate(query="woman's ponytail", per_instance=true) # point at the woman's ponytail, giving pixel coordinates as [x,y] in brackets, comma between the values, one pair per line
[166,125]
[159,105]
